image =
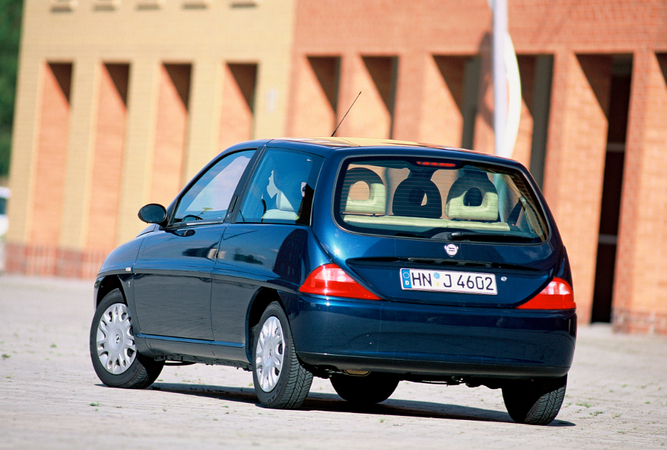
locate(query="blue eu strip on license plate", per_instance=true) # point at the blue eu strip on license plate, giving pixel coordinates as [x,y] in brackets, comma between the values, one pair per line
[448,281]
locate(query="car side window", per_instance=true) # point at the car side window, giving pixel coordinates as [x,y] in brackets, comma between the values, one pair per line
[281,191]
[208,199]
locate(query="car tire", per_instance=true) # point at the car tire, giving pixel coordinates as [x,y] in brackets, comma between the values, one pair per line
[279,378]
[534,403]
[370,389]
[112,348]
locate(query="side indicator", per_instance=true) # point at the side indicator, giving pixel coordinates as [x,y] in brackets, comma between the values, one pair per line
[331,280]
[557,295]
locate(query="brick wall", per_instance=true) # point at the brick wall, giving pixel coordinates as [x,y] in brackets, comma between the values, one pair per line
[315,105]
[575,162]
[49,260]
[640,292]
[524,138]
[236,119]
[108,157]
[171,131]
[49,172]
[405,55]
[442,106]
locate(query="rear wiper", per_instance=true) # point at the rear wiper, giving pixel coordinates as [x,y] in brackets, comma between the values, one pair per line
[495,237]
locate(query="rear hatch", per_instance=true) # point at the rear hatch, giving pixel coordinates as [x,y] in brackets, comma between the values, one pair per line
[477,275]
[442,230]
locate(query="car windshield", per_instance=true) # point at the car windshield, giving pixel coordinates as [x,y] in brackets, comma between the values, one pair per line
[438,199]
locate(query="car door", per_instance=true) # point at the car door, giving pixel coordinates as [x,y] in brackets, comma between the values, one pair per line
[172,282]
[266,242]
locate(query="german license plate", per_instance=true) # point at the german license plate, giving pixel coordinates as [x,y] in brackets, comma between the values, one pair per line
[448,281]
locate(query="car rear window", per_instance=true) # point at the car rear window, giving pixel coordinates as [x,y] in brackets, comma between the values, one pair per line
[438,199]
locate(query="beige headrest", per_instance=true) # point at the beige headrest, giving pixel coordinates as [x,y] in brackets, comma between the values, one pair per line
[472,197]
[377,193]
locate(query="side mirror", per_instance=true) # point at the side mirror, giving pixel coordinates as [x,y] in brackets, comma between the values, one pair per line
[153,213]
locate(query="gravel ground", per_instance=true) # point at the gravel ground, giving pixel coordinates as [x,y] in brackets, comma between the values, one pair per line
[50,397]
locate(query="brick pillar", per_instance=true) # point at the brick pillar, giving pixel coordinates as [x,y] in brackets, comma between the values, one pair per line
[408,112]
[575,162]
[171,132]
[107,161]
[74,217]
[204,115]
[314,92]
[137,161]
[49,176]
[640,288]
[39,252]
[442,100]
[238,93]
[370,117]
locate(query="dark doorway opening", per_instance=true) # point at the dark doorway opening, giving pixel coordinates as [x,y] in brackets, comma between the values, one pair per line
[619,103]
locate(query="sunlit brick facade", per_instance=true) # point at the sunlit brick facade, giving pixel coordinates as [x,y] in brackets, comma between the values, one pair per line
[120,102]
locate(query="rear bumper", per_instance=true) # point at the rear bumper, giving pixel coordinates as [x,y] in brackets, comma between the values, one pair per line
[430,341]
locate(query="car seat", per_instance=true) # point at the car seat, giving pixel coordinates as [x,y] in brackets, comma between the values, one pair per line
[376,202]
[288,199]
[472,197]
[409,198]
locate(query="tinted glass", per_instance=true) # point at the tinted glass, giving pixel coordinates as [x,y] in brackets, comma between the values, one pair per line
[435,199]
[281,191]
[208,199]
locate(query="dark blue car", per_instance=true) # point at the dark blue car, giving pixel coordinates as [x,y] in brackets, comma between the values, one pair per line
[365,262]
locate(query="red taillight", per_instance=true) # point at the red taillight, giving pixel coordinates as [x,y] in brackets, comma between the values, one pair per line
[330,280]
[557,295]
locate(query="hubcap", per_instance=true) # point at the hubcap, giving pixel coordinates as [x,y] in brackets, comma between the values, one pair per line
[269,354]
[115,341]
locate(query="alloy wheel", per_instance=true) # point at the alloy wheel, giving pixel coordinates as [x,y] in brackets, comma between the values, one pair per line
[270,354]
[115,341]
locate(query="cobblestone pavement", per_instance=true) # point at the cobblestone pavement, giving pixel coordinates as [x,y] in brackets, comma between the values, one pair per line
[50,397]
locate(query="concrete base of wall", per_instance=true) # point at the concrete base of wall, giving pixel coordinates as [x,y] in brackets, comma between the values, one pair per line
[629,321]
[49,260]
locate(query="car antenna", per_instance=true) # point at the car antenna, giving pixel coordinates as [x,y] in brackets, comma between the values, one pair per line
[348,110]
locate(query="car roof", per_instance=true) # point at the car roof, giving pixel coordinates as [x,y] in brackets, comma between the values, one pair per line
[335,143]
[326,146]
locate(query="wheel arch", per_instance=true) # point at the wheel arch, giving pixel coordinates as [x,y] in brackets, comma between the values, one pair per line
[262,299]
[105,285]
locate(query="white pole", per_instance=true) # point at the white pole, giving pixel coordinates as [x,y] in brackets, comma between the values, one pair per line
[514,102]
[499,74]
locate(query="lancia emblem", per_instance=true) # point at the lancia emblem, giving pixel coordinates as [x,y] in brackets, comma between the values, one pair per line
[451,249]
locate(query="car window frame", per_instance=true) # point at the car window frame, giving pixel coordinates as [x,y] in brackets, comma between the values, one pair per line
[233,214]
[533,192]
[233,203]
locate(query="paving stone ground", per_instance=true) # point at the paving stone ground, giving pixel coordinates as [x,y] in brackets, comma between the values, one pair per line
[50,397]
